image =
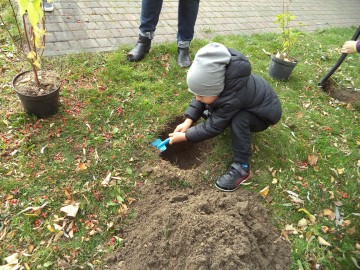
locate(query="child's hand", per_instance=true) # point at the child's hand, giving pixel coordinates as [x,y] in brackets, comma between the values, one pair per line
[177,137]
[183,127]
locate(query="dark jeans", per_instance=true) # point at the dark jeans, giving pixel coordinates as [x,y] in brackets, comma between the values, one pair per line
[242,125]
[187,14]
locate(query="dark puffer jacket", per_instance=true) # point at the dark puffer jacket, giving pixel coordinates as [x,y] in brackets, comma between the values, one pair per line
[243,91]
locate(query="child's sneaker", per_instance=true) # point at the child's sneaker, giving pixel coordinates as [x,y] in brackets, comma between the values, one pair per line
[236,175]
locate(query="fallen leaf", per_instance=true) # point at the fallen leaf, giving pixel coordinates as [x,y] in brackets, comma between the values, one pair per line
[309,236]
[264,192]
[329,213]
[68,194]
[340,170]
[50,228]
[81,166]
[351,231]
[12,259]
[323,242]
[310,216]
[106,181]
[71,210]
[349,107]
[274,181]
[302,222]
[313,159]
[292,193]
[291,229]
[325,229]
[346,222]
[123,210]
[296,200]
[37,208]
[355,262]
[338,203]
[306,104]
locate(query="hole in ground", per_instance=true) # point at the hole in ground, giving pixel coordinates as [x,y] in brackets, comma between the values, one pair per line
[346,95]
[185,155]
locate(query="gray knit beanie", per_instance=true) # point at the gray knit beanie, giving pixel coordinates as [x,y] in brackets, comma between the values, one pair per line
[207,72]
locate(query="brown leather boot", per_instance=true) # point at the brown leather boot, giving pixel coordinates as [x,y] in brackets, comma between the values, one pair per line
[141,48]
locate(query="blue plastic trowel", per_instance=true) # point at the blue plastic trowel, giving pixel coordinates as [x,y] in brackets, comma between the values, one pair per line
[161,145]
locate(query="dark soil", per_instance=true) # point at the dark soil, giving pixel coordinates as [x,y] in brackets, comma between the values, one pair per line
[184,223]
[346,95]
[185,155]
[25,83]
[201,228]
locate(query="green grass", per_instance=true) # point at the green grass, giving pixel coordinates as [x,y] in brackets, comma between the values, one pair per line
[112,109]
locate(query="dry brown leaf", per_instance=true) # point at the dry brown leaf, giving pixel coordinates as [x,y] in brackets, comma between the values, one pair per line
[12,259]
[106,181]
[291,229]
[313,159]
[130,200]
[285,235]
[308,236]
[31,248]
[81,166]
[71,210]
[299,115]
[329,213]
[264,192]
[302,223]
[338,203]
[296,200]
[323,242]
[123,210]
[346,223]
[311,217]
[351,231]
[325,229]
[58,236]
[68,193]
[349,107]
[340,170]
[306,104]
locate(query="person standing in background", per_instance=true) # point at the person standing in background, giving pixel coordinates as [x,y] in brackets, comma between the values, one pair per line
[150,13]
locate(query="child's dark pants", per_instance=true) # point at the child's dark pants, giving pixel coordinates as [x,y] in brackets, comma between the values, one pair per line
[242,125]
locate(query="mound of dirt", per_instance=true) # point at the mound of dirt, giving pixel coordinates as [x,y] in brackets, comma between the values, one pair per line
[183,223]
[187,228]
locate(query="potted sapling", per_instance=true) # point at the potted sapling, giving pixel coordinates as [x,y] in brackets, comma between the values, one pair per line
[282,63]
[37,88]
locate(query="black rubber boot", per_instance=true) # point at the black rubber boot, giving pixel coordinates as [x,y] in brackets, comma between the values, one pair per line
[183,57]
[141,49]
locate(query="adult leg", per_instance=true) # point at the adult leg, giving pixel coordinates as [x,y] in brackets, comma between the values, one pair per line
[150,13]
[187,14]
[242,125]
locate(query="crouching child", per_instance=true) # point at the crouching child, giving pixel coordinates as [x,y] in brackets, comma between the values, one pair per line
[224,88]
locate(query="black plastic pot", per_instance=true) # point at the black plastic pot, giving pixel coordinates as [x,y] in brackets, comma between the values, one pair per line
[280,69]
[40,106]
